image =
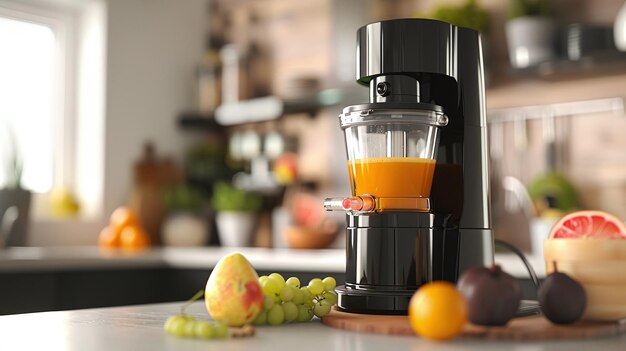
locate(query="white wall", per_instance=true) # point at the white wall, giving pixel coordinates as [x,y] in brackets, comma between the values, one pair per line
[152,47]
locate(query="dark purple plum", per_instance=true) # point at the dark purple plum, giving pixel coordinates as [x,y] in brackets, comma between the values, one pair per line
[493,296]
[562,299]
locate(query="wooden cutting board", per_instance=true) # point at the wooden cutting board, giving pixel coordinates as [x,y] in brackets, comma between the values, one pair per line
[525,328]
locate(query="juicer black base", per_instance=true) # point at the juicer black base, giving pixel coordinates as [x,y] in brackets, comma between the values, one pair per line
[388,302]
[390,255]
[397,302]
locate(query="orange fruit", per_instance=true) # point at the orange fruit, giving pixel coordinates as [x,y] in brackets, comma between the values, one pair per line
[589,224]
[134,237]
[438,311]
[109,237]
[123,216]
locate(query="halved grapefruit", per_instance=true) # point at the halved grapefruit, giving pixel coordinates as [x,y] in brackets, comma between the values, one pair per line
[589,224]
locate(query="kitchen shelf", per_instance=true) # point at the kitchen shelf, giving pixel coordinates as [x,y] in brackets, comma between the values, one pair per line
[591,65]
[198,121]
[271,108]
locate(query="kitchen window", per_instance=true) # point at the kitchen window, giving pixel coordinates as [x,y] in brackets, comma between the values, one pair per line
[29,88]
[52,71]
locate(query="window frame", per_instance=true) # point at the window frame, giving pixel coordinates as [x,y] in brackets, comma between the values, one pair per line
[62,21]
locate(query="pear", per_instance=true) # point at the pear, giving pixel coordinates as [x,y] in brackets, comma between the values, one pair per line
[233,294]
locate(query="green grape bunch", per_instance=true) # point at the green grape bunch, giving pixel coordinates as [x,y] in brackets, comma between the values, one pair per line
[184,325]
[283,301]
[288,301]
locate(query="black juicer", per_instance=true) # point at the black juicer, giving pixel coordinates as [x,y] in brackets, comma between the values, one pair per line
[418,164]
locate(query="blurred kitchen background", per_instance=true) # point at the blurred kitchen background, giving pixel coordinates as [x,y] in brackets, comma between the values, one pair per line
[215,121]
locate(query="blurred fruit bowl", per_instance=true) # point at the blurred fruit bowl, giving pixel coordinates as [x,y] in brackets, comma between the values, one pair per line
[307,237]
[599,266]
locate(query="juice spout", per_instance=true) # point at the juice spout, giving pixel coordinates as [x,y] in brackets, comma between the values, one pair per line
[334,204]
[367,204]
[360,204]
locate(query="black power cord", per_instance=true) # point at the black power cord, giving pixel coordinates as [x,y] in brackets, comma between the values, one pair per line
[520,254]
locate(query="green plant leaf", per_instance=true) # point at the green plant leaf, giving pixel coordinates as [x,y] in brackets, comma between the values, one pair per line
[520,8]
[468,15]
[228,198]
[183,198]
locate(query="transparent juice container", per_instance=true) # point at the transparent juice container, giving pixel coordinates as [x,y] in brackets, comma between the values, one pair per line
[391,158]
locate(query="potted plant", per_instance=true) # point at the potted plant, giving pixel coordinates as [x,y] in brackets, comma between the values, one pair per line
[469,15]
[236,214]
[186,223]
[531,33]
[14,202]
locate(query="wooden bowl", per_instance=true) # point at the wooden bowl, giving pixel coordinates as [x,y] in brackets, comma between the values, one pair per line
[309,237]
[599,266]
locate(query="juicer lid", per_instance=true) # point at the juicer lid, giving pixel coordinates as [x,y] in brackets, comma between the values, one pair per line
[407,46]
[398,113]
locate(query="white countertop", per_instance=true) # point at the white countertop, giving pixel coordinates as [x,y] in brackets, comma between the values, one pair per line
[137,328]
[25,259]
